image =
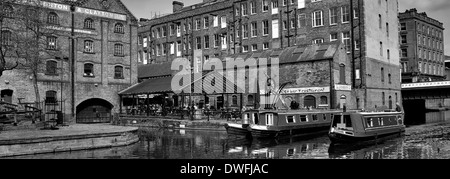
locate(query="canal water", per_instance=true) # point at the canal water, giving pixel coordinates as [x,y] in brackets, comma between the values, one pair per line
[194,144]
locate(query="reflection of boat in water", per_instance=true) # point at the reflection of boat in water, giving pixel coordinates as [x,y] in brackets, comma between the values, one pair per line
[366,150]
[365,126]
[279,123]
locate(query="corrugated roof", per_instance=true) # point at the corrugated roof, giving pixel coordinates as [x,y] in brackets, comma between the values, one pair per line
[154,70]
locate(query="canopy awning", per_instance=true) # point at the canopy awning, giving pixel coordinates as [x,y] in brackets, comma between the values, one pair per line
[150,86]
[198,85]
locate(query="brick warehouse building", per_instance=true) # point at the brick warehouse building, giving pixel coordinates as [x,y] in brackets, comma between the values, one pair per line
[222,28]
[105,60]
[422,47]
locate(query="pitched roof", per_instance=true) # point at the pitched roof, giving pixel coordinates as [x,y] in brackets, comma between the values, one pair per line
[154,70]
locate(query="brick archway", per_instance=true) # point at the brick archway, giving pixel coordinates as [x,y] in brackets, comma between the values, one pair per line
[94,110]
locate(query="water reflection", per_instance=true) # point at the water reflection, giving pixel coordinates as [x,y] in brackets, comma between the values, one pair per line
[191,144]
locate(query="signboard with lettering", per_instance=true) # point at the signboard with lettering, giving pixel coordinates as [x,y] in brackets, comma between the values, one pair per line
[49,5]
[104,14]
[306,90]
[342,87]
[68,29]
[427,84]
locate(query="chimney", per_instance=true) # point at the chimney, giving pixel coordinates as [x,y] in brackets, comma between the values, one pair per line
[177,6]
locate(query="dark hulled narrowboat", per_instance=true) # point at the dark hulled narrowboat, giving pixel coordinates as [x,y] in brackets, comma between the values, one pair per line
[365,126]
[278,123]
[242,129]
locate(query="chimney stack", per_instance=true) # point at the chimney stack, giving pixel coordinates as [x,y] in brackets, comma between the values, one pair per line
[177,6]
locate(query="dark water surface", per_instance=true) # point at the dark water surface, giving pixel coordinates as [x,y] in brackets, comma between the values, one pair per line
[192,144]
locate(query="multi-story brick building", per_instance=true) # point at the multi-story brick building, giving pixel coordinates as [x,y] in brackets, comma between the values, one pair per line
[222,28]
[422,47]
[105,54]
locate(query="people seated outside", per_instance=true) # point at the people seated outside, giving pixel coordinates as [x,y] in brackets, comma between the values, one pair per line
[294,105]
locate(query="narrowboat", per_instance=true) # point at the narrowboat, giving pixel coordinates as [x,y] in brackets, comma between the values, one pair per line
[365,126]
[241,129]
[279,123]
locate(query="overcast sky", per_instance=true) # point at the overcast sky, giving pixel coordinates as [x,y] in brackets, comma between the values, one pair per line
[437,9]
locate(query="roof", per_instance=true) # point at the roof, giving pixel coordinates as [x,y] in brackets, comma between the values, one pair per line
[154,70]
[150,86]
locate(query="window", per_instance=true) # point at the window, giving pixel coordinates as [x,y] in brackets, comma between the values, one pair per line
[390,78]
[52,18]
[265,5]
[50,97]
[207,42]
[301,20]
[269,119]
[403,26]
[388,54]
[118,50]
[197,24]
[250,100]
[206,22]
[51,67]
[88,70]
[381,48]
[346,41]
[265,46]
[387,29]
[357,45]
[89,23]
[88,46]
[234,100]
[118,72]
[199,42]
[245,48]
[265,27]
[324,101]
[342,74]
[382,75]
[51,43]
[245,31]
[118,28]
[356,13]
[317,41]
[216,40]
[290,119]
[254,47]
[172,30]
[383,98]
[317,19]
[333,16]
[253,7]
[164,31]
[404,40]
[244,9]
[333,37]
[345,14]
[404,53]
[254,29]
[303,118]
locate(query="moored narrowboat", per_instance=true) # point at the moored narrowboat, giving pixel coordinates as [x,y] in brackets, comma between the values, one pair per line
[279,123]
[242,129]
[365,126]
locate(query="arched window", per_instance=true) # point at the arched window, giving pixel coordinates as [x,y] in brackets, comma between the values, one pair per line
[250,100]
[234,100]
[8,11]
[89,23]
[310,101]
[118,50]
[51,67]
[52,18]
[50,97]
[118,72]
[89,70]
[118,28]
[89,46]
[6,37]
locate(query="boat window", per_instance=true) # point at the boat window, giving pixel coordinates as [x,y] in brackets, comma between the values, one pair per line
[314,116]
[347,121]
[290,119]
[290,152]
[303,118]
[369,122]
[255,118]
[400,120]
[381,121]
[336,120]
[269,119]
